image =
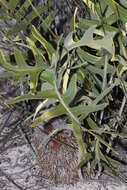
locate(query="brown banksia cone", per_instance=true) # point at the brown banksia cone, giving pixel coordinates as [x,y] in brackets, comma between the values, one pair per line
[58,157]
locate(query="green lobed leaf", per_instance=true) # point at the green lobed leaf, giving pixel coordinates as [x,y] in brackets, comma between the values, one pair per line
[48,47]
[22,69]
[39,95]
[87,40]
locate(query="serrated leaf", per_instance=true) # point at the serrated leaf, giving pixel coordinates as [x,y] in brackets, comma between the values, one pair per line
[119,10]
[92,124]
[49,114]
[19,59]
[72,89]
[79,138]
[60,110]
[105,92]
[24,21]
[48,76]
[87,40]
[85,111]
[39,95]
[22,69]
[48,47]
[85,24]
[39,57]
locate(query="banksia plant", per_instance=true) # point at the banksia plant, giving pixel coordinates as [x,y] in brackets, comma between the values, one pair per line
[80,76]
